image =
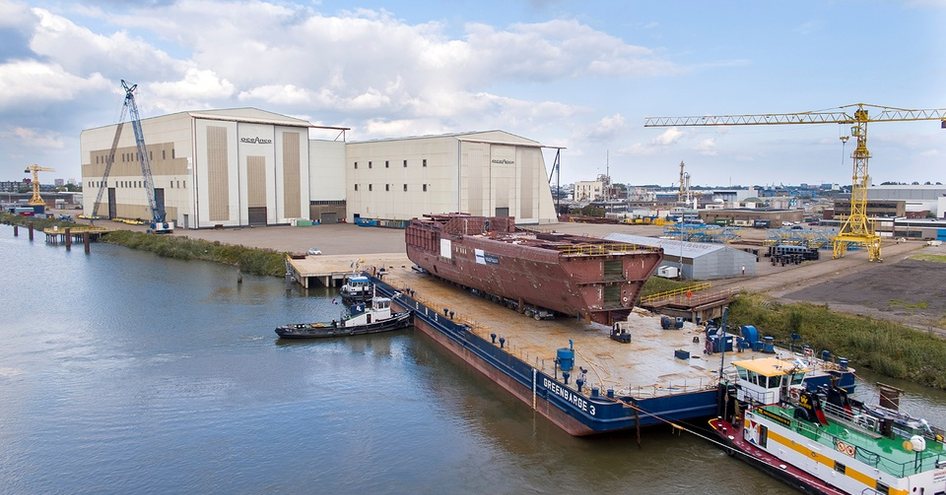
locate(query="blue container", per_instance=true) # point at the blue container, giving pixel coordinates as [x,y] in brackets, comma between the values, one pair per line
[666,322]
[678,323]
[681,354]
[749,333]
[842,363]
[825,355]
[757,346]
[566,358]
[768,346]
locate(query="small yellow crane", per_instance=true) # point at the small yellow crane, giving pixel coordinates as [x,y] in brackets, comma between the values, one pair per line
[36,200]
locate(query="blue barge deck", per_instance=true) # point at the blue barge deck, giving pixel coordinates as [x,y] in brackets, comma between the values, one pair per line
[643,383]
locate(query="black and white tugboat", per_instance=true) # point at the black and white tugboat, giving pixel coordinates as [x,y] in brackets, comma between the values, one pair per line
[356,289]
[373,316]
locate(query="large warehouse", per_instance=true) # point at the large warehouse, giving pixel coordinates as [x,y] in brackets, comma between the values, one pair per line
[211,168]
[697,260]
[246,166]
[492,173]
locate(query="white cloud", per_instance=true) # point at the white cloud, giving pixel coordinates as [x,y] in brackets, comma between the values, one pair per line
[607,128]
[34,138]
[29,83]
[707,147]
[197,84]
[80,51]
[668,137]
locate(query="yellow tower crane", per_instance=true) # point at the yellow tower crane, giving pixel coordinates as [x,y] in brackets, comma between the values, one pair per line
[36,169]
[857,229]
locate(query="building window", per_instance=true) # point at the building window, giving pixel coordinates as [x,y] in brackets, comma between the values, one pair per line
[150,155]
[387,164]
[356,165]
[425,187]
[405,187]
[184,185]
[387,187]
[172,153]
[405,163]
[356,187]
[369,164]
[164,154]
[370,187]
[424,163]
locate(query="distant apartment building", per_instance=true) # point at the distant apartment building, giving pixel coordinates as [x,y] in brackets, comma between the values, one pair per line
[589,190]
[59,182]
[10,186]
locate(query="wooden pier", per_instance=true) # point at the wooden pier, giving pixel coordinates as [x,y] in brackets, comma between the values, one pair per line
[75,234]
[330,270]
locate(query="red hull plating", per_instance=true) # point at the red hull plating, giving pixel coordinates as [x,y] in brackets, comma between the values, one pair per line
[573,275]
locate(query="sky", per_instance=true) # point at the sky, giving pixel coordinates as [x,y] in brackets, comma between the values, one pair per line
[581,75]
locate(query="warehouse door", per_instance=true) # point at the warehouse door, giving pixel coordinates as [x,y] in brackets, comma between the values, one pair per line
[502,212]
[257,215]
[328,217]
[112,207]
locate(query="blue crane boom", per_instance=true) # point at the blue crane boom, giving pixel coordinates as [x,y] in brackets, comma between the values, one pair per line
[158,223]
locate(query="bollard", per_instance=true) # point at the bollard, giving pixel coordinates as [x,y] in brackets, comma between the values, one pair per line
[68,239]
[31,230]
[85,241]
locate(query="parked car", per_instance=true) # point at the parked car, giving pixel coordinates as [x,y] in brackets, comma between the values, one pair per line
[314,251]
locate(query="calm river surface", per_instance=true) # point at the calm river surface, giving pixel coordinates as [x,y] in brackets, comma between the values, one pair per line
[122,372]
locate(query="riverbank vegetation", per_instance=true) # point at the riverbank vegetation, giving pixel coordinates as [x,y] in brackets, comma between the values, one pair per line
[885,347]
[253,261]
[38,223]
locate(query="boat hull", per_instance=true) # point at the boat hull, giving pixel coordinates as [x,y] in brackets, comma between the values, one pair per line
[572,275]
[735,445]
[327,330]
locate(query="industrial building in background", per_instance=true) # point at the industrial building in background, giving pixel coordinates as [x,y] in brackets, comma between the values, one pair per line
[245,167]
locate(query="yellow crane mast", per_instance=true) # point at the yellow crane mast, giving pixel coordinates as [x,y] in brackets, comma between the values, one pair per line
[36,169]
[857,229]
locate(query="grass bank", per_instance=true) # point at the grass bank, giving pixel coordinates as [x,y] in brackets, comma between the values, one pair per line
[38,223]
[654,285]
[253,261]
[885,347]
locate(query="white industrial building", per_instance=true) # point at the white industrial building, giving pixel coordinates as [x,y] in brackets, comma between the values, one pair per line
[246,166]
[916,198]
[589,190]
[492,173]
[210,168]
[697,260]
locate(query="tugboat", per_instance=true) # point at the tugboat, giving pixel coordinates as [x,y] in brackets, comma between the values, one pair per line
[357,288]
[826,442]
[374,316]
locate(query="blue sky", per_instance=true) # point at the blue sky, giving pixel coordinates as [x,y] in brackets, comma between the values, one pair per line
[583,75]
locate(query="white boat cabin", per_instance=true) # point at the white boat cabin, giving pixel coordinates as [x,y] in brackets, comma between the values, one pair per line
[356,286]
[379,309]
[767,380]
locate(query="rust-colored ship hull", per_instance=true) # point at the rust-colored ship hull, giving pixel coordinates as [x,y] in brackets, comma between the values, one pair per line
[574,275]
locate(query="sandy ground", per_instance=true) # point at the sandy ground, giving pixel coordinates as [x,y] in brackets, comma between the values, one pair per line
[901,289]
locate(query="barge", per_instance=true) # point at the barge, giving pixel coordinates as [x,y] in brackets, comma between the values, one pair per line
[631,375]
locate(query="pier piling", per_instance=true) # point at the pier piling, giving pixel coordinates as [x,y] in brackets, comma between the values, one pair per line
[31,230]
[16,231]
[85,242]
[68,239]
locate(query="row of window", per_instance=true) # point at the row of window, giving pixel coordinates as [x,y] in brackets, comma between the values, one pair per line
[387,163]
[135,156]
[387,187]
[180,184]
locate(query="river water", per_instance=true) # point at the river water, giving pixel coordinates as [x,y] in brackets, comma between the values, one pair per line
[122,372]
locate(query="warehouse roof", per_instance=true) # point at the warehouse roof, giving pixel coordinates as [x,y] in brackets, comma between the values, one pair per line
[671,247]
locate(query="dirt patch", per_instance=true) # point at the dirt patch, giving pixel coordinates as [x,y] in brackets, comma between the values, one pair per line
[910,291]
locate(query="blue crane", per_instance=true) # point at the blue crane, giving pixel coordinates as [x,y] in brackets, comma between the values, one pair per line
[158,221]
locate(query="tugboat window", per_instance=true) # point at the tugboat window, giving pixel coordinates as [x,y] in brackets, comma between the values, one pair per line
[841,468]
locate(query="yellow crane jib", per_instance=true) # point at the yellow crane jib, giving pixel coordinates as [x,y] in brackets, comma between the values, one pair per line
[857,228]
[36,200]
